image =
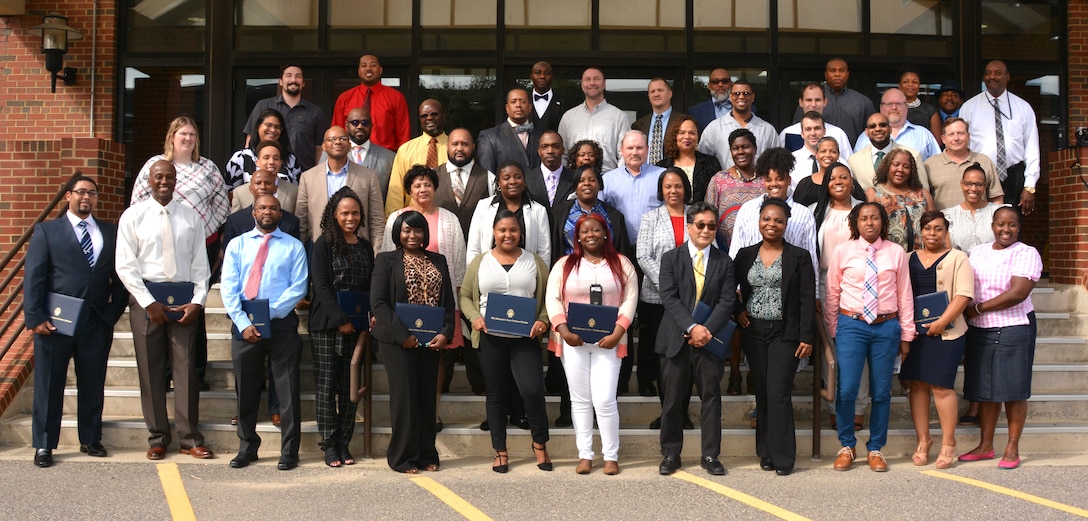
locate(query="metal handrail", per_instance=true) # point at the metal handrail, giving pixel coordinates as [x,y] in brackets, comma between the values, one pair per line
[16,314]
[818,393]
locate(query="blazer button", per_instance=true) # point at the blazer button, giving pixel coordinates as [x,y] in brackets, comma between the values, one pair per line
[940,282]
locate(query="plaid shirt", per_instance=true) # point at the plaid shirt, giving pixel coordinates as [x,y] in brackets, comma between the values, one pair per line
[200,187]
[994,270]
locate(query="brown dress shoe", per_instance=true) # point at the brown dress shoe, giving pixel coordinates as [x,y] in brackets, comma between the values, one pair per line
[584,466]
[276,420]
[198,452]
[156,453]
[845,458]
[611,468]
[877,463]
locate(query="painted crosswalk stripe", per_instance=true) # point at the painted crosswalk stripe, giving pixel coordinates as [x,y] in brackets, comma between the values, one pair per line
[737,495]
[450,498]
[1010,492]
[176,497]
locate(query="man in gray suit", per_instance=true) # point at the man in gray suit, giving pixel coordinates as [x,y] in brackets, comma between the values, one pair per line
[365,152]
[681,340]
[514,139]
[244,195]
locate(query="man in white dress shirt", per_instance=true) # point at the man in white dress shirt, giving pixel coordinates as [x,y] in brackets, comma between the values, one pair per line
[715,139]
[1016,157]
[813,99]
[804,159]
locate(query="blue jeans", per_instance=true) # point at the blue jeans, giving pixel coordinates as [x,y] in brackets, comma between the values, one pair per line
[858,342]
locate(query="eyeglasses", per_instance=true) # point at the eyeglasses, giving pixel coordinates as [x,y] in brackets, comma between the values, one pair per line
[83,191]
[334,139]
[740,93]
[876,125]
[360,122]
[720,81]
[972,184]
[893,104]
[704,226]
[428,115]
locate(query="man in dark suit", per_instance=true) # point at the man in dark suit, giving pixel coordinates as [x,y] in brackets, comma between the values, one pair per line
[512,140]
[661,120]
[680,340]
[718,105]
[72,255]
[550,182]
[547,108]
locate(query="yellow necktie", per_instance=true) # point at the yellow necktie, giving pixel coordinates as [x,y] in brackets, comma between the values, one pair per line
[700,275]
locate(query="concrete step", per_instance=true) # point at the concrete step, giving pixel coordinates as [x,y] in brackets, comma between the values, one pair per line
[1052,324]
[218,346]
[216,320]
[1061,350]
[130,434]
[1058,298]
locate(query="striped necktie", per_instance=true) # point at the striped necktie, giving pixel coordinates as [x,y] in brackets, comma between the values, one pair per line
[86,244]
[869,298]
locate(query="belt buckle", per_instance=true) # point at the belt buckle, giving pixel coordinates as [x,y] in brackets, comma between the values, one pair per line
[856,316]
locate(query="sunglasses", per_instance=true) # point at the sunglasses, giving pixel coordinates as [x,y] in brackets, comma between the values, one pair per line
[360,122]
[703,226]
[876,125]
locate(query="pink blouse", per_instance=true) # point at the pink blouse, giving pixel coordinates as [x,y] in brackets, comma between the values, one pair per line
[994,270]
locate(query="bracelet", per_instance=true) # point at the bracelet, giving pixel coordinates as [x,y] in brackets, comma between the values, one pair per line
[977,310]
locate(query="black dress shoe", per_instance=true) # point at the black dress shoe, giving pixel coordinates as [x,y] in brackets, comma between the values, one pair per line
[669,465]
[43,458]
[484,426]
[522,423]
[766,464]
[712,466]
[783,471]
[648,390]
[656,424]
[242,460]
[287,463]
[688,425]
[95,449]
[563,421]
[203,386]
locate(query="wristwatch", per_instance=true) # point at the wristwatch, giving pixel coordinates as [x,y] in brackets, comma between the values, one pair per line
[1030,189]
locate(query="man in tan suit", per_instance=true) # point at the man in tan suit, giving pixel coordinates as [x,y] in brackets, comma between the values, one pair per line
[864,160]
[285,191]
[318,183]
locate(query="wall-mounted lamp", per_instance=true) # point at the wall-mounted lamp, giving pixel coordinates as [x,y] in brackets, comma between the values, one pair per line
[55,35]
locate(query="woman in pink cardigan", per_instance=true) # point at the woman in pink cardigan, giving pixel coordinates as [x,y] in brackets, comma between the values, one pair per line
[592,369]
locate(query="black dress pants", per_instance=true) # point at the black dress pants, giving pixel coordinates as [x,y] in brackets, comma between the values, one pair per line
[773,366]
[413,381]
[284,350]
[513,360]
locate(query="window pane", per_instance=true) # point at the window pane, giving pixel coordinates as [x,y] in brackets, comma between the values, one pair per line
[929,17]
[165,26]
[276,25]
[458,24]
[734,25]
[547,25]
[379,26]
[468,95]
[642,25]
[1026,30]
[154,96]
[828,27]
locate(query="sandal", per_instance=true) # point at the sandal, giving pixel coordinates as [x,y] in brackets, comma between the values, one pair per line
[734,384]
[921,454]
[345,457]
[332,457]
[412,470]
[433,467]
[547,463]
[946,457]
[502,462]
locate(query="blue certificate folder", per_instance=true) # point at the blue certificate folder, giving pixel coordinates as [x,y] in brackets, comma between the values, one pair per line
[257,311]
[718,347]
[64,313]
[425,322]
[591,322]
[356,305]
[171,294]
[928,308]
[510,315]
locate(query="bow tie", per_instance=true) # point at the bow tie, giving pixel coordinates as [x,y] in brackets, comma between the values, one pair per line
[538,97]
[524,127]
[721,104]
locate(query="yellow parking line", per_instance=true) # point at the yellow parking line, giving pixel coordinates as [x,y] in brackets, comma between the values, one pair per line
[450,498]
[741,496]
[176,498]
[1010,492]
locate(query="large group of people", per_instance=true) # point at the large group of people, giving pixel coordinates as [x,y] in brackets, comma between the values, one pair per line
[687,227]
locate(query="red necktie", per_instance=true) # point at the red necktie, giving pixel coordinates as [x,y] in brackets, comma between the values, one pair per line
[253,282]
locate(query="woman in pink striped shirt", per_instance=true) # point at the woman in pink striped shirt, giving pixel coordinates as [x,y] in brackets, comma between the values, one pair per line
[1001,340]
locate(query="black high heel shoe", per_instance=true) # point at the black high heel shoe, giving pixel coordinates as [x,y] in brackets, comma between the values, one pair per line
[547,464]
[502,461]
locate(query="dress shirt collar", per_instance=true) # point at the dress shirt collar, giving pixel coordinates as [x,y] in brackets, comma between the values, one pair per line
[342,171]
[863,244]
[545,172]
[886,149]
[451,168]
[746,120]
[257,233]
[692,250]
[74,219]
[365,146]
[641,170]
[548,94]
[667,114]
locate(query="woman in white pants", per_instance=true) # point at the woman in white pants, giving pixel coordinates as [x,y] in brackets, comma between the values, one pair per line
[594,268]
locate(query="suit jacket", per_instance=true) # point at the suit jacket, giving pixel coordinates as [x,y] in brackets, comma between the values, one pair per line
[703,113]
[500,144]
[678,296]
[645,125]
[475,190]
[861,164]
[798,290]
[706,166]
[378,159]
[559,214]
[313,195]
[286,192]
[534,182]
[387,287]
[55,263]
[551,117]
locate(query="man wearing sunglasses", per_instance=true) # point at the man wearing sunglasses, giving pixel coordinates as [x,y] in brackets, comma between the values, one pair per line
[893,104]
[715,139]
[718,105]
[864,161]
[305,120]
[365,152]
[429,150]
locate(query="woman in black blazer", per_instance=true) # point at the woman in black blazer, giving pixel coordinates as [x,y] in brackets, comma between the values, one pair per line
[777,315]
[680,144]
[413,275]
[588,183]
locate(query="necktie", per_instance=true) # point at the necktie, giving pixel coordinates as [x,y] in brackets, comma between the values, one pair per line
[169,260]
[700,275]
[553,185]
[253,282]
[85,243]
[869,298]
[538,97]
[432,153]
[458,185]
[815,164]
[879,156]
[366,98]
[1001,161]
[357,154]
[524,137]
[655,140]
